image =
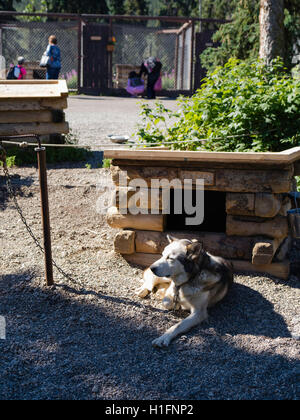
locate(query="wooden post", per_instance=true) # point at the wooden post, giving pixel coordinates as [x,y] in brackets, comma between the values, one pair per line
[41,157]
[79,49]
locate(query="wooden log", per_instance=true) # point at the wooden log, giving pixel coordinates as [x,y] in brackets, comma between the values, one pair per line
[259,204]
[124,242]
[297,168]
[264,251]
[17,117]
[272,228]
[143,198]
[32,104]
[267,205]
[208,165]
[269,181]
[228,180]
[240,204]
[146,173]
[279,270]
[138,222]
[33,128]
[216,243]
[207,176]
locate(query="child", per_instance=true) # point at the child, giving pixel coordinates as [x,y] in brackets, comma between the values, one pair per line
[135,85]
[17,72]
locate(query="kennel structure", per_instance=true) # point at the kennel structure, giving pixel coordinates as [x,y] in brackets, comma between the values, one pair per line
[246,200]
[33,107]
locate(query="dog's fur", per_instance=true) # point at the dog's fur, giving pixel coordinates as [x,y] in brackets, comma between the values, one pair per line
[191,278]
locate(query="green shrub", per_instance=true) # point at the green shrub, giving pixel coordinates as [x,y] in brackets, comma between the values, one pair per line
[242,106]
[19,157]
[10,161]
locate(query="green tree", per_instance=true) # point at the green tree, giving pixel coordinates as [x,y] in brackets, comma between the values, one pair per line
[217,9]
[6,5]
[116,7]
[136,7]
[77,6]
[240,38]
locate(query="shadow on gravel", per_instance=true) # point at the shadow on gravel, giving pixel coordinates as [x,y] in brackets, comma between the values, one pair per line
[17,183]
[245,311]
[65,346]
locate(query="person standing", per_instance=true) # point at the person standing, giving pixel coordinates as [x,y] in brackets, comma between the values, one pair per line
[54,66]
[152,68]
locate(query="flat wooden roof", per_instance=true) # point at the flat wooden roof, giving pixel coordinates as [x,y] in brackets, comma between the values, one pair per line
[281,158]
[28,89]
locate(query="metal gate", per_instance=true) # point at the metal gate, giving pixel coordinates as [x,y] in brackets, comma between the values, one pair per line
[95,69]
[203,40]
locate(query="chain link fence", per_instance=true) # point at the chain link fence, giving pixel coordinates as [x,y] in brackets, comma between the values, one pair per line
[134,43]
[30,40]
[171,41]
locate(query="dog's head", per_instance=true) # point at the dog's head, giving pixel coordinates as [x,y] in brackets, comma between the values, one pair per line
[179,260]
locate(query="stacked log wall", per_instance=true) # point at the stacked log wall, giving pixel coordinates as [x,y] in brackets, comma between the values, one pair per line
[257,232]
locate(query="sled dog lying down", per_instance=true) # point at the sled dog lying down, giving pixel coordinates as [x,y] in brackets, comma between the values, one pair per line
[193,280]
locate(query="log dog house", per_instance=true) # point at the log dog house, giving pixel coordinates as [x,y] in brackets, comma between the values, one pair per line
[246,197]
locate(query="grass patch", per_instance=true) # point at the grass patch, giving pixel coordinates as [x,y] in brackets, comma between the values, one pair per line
[19,157]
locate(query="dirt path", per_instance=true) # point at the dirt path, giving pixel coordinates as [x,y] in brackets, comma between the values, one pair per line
[69,342]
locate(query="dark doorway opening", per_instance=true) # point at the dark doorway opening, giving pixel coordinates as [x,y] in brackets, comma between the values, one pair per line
[214,214]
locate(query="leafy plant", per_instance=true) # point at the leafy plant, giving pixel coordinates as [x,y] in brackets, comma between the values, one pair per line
[106,163]
[298,182]
[242,106]
[10,161]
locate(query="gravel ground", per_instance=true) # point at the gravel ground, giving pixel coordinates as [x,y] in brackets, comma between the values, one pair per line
[94,342]
[92,118]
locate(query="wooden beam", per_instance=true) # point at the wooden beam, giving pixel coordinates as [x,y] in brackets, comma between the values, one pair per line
[17,117]
[38,104]
[280,270]
[274,180]
[215,243]
[33,128]
[139,222]
[275,158]
[271,228]
[33,89]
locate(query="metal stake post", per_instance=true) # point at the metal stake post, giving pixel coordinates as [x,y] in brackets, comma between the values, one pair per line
[41,157]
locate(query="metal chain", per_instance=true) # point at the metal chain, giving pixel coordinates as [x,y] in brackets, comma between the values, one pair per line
[12,195]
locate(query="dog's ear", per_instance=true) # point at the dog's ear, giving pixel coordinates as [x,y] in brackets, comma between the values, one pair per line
[171,239]
[194,249]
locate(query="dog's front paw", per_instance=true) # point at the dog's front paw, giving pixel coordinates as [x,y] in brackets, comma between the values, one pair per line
[168,303]
[162,341]
[142,292]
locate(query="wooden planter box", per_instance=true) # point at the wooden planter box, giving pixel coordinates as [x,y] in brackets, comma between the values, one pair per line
[246,204]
